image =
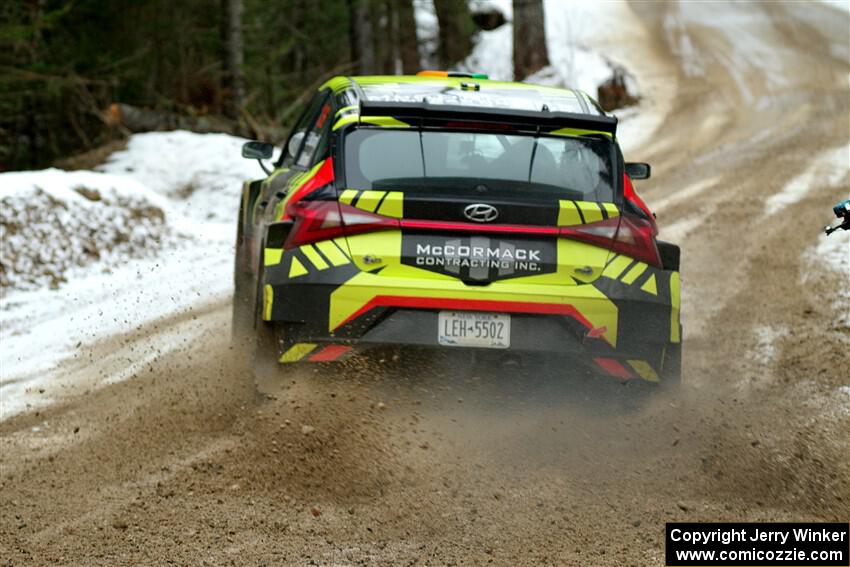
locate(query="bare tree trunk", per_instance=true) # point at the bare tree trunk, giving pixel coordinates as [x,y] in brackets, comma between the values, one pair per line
[408,43]
[233,79]
[360,30]
[456,28]
[530,53]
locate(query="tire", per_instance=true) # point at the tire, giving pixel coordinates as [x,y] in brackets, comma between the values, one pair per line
[671,371]
[636,394]
[267,371]
[242,315]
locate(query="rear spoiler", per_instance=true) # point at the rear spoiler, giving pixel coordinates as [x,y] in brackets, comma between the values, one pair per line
[422,111]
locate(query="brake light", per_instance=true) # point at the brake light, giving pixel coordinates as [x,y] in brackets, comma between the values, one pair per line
[636,238]
[322,220]
[627,234]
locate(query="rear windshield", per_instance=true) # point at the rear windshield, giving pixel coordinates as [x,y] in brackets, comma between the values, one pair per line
[446,161]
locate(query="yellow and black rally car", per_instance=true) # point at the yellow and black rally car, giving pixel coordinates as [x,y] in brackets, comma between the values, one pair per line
[449,211]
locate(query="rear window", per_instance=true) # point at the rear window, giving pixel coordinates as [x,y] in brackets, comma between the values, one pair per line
[450,161]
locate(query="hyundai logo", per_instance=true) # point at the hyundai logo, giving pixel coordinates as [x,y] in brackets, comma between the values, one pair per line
[479,212]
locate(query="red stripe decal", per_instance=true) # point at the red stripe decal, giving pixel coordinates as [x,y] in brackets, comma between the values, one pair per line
[469,305]
[323,176]
[613,368]
[329,353]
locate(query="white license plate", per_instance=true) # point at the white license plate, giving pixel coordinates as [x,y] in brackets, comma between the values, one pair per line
[471,329]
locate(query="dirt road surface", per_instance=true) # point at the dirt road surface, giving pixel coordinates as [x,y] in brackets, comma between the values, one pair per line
[185,464]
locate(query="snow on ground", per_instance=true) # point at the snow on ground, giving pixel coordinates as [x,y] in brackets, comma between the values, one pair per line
[44,331]
[832,252]
[570,27]
[53,222]
[188,183]
[838,4]
[827,170]
[427,32]
[200,173]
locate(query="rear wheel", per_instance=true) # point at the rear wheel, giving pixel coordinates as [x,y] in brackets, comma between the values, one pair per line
[242,316]
[636,394]
[671,371]
[268,372]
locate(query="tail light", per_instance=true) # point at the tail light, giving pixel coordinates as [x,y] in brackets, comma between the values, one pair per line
[636,238]
[323,220]
[628,234]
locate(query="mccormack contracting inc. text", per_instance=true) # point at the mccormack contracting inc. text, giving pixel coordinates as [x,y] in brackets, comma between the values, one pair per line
[757,544]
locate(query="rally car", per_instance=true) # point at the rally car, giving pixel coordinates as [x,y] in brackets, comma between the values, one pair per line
[449,211]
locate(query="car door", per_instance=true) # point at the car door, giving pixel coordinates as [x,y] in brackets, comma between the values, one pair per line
[262,199]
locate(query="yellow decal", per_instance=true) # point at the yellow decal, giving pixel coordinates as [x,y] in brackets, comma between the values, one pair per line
[297,351]
[343,245]
[674,307]
[385,121]
[615,268]
[644,370]
[336,84]
[271,256]
[578,132]
[352,118]
[633,274]
[590,210]
[313,256]
[347,109]
[268,301]
[568,214]
[393,205]
[369,200]
[296,268]
[348,196]
[332,253]
[572,213]
[649,286]
[612,209]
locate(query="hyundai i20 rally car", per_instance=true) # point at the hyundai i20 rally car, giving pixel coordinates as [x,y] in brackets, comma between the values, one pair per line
[455,212]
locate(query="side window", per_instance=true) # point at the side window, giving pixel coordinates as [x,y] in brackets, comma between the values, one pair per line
[316,141]
[296,138]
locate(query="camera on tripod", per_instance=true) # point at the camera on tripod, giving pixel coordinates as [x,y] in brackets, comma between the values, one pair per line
[842,211]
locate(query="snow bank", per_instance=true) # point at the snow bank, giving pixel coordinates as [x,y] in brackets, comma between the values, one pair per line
[48,335]
[124,253]
[831,255]
[53,221]
[201,174]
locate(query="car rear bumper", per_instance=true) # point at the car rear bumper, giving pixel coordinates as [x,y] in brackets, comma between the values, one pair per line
[615,324]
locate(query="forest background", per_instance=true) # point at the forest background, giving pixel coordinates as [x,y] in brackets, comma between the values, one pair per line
[79,76]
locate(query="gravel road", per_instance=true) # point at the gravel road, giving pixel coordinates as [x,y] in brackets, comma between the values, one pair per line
[419,463]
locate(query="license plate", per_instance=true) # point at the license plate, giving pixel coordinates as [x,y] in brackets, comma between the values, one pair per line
[471,329]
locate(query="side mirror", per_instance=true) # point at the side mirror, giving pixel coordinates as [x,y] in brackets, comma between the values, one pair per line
[257,150]
[295,143]
[638,170]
